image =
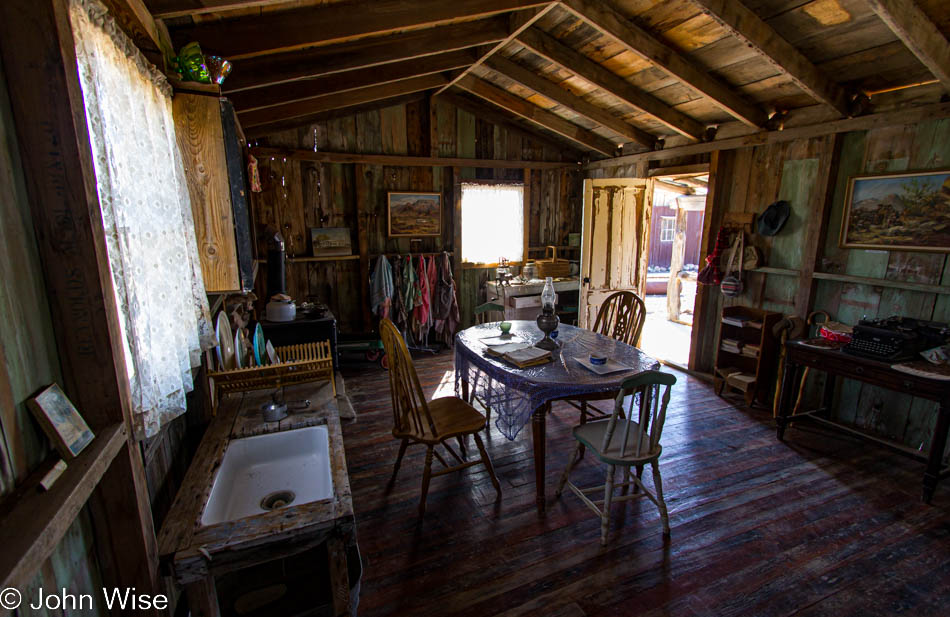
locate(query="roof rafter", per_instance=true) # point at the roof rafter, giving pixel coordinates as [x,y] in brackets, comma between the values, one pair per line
[919,34]
[535,114]
[519,22]
[553,50]
[546,88]
[279,94]
[298,28]
[749,28]
[182,8]
[605,18]
[511,123]
[304,64]
[316,105]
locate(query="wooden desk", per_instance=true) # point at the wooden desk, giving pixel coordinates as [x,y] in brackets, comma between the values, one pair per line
[837,364]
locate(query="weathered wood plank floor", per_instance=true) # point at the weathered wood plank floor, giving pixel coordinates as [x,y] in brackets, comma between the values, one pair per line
[821,525]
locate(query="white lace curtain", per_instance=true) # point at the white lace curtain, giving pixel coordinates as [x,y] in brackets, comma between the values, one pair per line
[146,212]
[492,222]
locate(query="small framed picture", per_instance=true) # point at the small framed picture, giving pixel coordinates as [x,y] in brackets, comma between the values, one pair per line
[61,421]
[330,241]
[415,214]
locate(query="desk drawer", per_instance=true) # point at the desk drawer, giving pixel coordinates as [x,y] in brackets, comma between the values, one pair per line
[519,302]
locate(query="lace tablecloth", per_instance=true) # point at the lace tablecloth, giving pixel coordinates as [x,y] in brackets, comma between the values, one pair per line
[514,393]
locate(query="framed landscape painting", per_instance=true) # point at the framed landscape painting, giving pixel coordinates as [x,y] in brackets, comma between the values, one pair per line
[902,211]
[415,214]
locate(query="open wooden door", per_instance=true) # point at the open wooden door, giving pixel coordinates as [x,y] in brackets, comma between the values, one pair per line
[614,248]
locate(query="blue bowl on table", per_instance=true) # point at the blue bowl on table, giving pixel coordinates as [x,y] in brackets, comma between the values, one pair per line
[598,360]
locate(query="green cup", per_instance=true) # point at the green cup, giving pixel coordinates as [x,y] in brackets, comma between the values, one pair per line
[505,327]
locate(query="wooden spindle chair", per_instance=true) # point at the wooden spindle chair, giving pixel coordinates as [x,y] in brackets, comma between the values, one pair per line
[430,423]
[624,442]
[621,317]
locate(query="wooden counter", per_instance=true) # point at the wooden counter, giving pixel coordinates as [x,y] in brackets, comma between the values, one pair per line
[193,555]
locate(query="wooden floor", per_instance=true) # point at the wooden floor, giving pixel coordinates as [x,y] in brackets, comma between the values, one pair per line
[820,525]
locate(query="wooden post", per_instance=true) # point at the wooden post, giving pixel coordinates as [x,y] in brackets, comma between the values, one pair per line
[36,39]
[361,177]
[816,228]
[674,286]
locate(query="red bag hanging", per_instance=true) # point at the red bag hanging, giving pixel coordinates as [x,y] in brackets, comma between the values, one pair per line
[711,274]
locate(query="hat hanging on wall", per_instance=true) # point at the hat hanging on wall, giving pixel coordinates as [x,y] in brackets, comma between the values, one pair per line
[773,219]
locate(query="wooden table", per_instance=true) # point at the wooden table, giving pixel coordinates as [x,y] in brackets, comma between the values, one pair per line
[516,395]
[194,554]
[838,364]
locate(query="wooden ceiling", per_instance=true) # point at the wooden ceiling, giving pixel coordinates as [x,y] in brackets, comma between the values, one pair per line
[600,76]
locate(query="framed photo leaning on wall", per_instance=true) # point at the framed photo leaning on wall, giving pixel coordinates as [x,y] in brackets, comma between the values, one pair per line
[898,211]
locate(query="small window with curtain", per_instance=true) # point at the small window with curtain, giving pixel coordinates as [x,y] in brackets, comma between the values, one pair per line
[492,222]
[667,228]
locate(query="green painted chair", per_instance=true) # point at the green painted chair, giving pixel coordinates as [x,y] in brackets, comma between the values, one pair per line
[624,442]
[488,312]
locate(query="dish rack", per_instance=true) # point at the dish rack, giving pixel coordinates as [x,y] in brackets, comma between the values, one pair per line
[298,364]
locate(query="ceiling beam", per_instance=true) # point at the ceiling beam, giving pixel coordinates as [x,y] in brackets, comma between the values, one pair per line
[519,22]
[304,64]
[919,34]
[762,138]
[134,19]
[404,160]
[167,9]
[605,18]
[316,105]
[553,50]
[278,94]
[245,37]
[546,88]
[531,112]
[265,130]
[512,124]
[745,25]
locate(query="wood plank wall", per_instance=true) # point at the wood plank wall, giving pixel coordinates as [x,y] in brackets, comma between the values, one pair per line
[299,195]
[812,175]
[30,361]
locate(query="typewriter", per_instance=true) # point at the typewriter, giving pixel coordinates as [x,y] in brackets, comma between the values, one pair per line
[896,338]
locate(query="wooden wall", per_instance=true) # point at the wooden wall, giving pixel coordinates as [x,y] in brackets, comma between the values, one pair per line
[299,195]
[812,175]
[30,362]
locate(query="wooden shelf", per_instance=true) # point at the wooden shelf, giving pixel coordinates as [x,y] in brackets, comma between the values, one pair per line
[299,260]
[877,282]
[296,260]
[779,271]
[32,522]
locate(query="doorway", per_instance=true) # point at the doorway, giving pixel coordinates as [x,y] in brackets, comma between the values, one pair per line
[674,244]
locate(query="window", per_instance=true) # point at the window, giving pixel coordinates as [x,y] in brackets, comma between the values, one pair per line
[146,212]
[667,228]
[492,222]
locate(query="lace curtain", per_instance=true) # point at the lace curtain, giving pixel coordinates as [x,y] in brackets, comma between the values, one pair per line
[492,222]
[146,212]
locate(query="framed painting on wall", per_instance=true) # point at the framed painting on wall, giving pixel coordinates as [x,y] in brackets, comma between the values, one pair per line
[414,214]
[898,211]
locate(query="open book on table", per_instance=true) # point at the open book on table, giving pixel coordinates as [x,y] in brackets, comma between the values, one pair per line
[521,355]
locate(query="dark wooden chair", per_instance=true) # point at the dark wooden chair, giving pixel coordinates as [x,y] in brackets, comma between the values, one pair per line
[430,423]
[621,317]
[624,442]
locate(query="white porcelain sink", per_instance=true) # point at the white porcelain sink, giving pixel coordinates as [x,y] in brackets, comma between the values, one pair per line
[266,472]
